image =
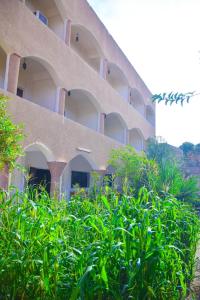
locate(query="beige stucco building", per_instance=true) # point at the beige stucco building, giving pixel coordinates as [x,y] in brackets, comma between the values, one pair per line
[73,89]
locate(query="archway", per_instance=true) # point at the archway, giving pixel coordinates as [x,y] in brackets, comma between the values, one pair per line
[150,115]
[115,127]
[3,57]
[35,82]
[36,171]
[136,139]
[82,107]
[47,12]
[77,173]
[136,100]
[118,80]
[85,44]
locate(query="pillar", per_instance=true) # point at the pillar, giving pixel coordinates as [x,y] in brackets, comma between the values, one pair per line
[101,122]
[61,93]
[129,95]
[67,32]
[4,178]
[13,73]
[56,169]
[126,137]
[103,68]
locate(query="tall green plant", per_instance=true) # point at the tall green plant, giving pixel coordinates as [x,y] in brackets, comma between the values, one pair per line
[10,137]
[131,168]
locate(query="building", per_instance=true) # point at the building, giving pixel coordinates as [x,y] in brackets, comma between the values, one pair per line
[73,89]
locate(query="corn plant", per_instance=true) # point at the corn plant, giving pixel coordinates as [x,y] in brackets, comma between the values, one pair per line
[113,246]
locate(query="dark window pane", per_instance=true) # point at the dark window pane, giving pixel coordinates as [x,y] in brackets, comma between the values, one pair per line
[20,92]
[80,178]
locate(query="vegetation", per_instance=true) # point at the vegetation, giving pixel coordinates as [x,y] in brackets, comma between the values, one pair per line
[10,137]
[188,148]
[170,98]
[170,179]
[109,247]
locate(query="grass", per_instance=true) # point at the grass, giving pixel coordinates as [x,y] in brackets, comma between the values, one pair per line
[109,247]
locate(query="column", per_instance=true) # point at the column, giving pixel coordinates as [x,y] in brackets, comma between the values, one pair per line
[13,73]
[129,95]
[67,32]
[61,93]
[56,169]
[101,122]
[126,137]
[103,68]
[4,178]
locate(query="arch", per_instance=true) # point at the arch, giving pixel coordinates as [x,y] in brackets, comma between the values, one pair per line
[82,107]
[3,58]
[78,170]
[118,80]
[136,139]
[150,115]
[137,101]
[49,13]
[86,45]
[115,127]
[37,146]
[37,82]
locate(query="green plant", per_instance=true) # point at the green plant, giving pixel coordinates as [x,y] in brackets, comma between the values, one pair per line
[10,137]
[187,147]
[117,248]
[132,169]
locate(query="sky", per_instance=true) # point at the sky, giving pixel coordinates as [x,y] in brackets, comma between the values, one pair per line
[161,38]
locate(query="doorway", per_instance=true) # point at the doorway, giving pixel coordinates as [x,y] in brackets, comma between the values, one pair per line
[39,179]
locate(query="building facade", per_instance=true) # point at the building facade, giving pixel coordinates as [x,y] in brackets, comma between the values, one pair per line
[73,89]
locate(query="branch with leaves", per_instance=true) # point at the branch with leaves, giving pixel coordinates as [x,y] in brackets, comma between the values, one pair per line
[170,98]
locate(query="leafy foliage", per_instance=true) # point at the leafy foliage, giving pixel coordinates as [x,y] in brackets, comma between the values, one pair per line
[170,179]
[10,137]
[131,168]
[108,247]
[187,147]
[170,98]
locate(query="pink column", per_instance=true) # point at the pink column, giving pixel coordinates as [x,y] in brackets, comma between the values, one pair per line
[4,178]
[67,34]
[56,169]
[13,73]
[103,68]
[101,122]
[61,93]
[129,95]
[127,137]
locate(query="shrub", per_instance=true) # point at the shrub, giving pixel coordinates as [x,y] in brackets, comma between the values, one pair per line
[125,248]
[10,137]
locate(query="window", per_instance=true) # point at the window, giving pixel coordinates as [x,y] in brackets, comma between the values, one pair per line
[20,92]
[80,178]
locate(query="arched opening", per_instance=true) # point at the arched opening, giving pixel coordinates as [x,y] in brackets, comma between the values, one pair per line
[36,174]
[118,80]
[3,57]
[47,12]
[150,116]
[115,127]
[35,82]
[85,44]
[36,157]
[136,100]
[76,174]
[82,107]
[136,139]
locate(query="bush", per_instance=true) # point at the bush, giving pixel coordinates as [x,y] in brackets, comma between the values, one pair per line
[132,169]
[10,137]
[124,248]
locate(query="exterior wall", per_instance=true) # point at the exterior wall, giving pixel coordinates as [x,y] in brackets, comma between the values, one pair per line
[63,67]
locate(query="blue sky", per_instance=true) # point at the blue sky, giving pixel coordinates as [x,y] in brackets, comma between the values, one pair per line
[161,38]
